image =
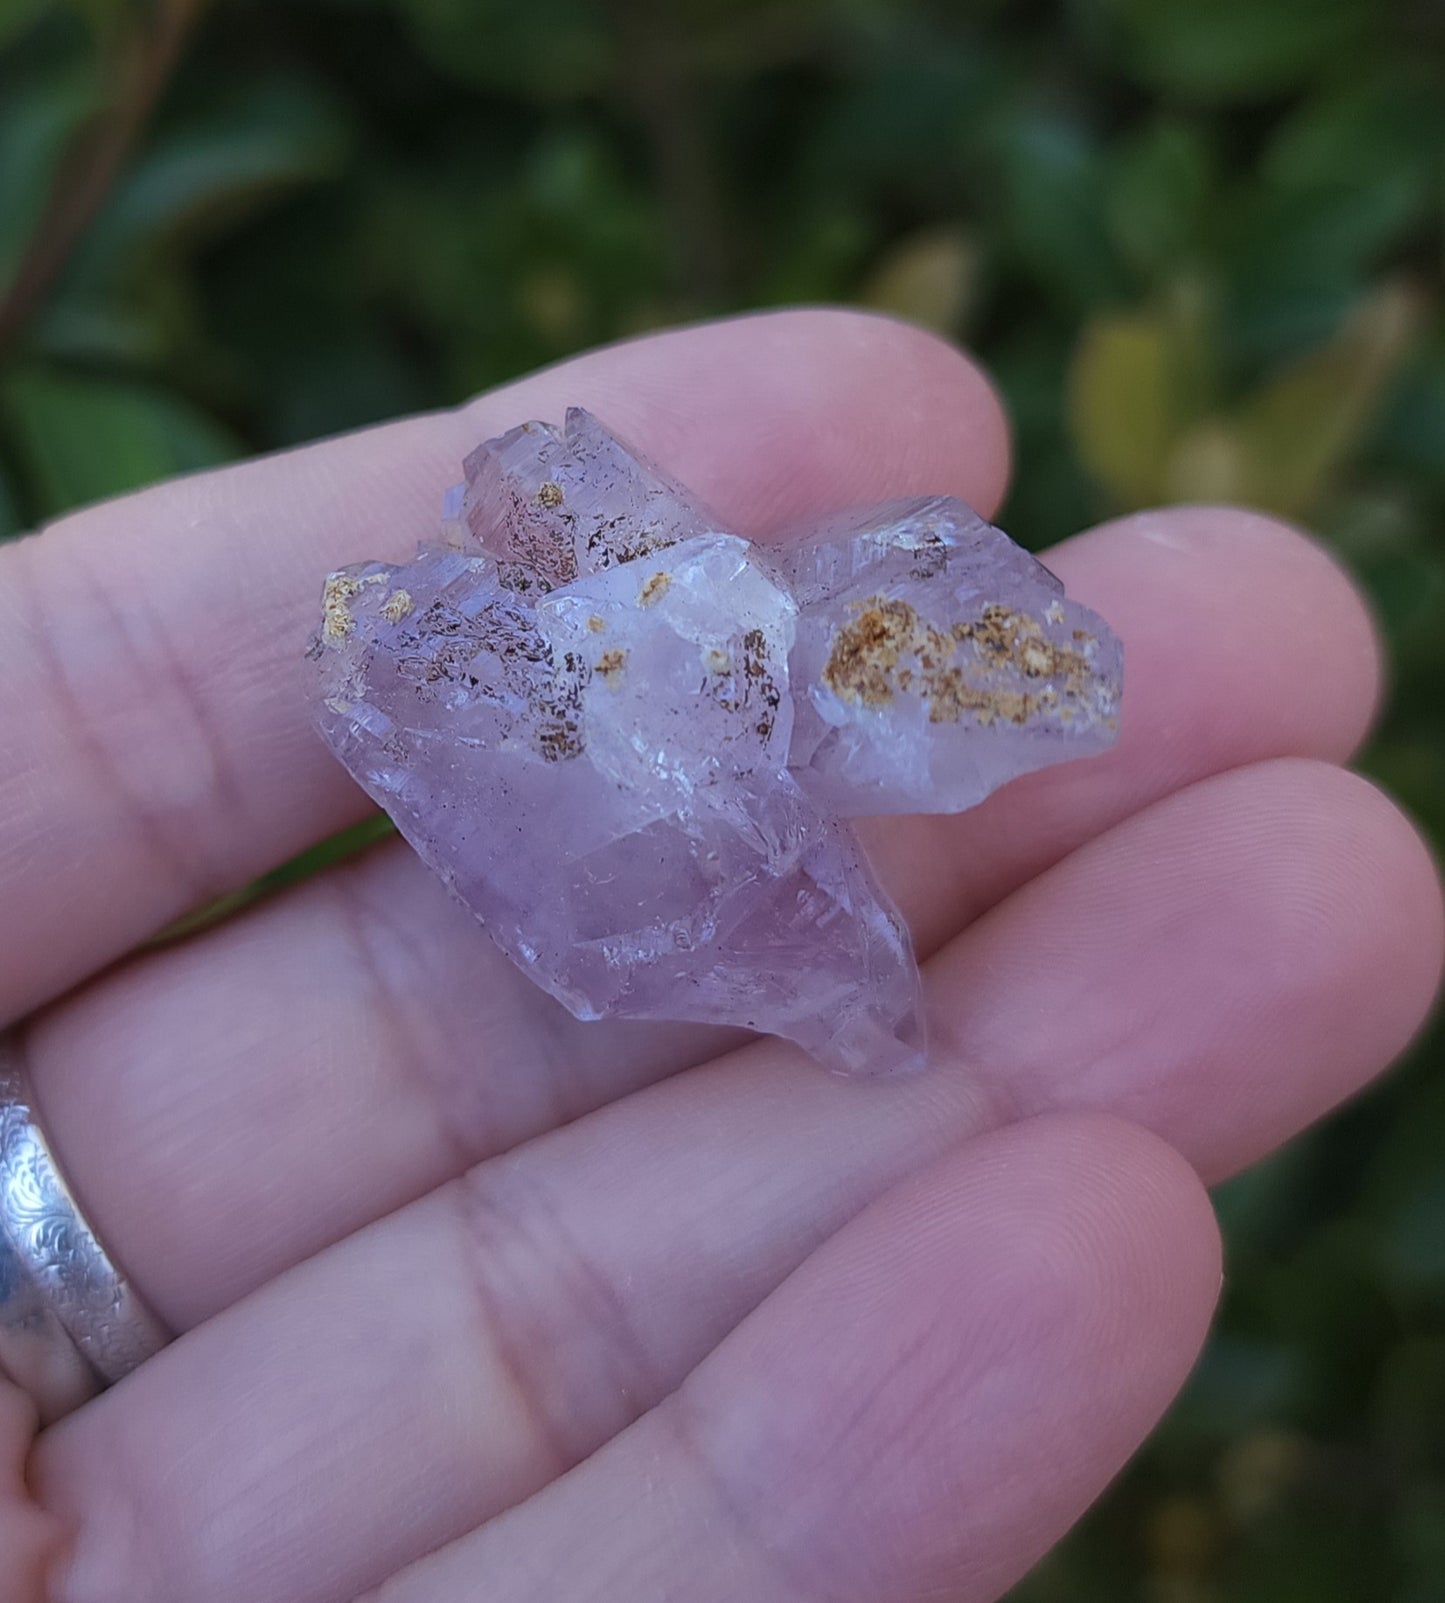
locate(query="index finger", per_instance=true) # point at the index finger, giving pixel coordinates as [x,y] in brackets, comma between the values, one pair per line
[153,711]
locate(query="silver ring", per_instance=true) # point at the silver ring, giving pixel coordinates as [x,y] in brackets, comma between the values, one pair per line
[70,1324]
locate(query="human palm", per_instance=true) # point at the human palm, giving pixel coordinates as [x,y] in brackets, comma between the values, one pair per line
[477,1300]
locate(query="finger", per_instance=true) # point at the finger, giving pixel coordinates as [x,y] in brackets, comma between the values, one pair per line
[1053,1281]
[398,1040]
[920,1412]
[153,702]
[29,1539]
[1258,947]
[503,1328]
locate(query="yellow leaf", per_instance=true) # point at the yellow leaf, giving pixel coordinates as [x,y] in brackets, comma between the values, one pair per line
[927,277]
[1124,406]
[1210,463]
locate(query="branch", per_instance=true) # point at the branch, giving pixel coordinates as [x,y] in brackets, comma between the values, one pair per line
[94,162]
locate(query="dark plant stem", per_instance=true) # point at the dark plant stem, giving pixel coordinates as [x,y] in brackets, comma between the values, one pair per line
[95,161]
[667,96]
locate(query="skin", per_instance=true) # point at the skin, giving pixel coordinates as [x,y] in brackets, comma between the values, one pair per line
[478,1300]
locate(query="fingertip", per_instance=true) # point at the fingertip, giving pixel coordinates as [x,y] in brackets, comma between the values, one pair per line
[936,411]
[940,414]
[1354,911]
[779,415]
[1391,884]
[1224,967]
[1224,558]
[949,1382]
[1130,1213]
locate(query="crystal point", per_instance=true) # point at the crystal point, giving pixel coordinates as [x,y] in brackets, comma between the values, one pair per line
[937,660]
[628,739]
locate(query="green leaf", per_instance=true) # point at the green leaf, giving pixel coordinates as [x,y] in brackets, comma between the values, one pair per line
[551,253]
[1158,190]
[1418,1527]
[38,118]
[1301,426]
[81,438]
[548,50]
[1297,237]
[1413,429]
[1298,256]
[326,854]
[1361,134]
[1403,1198]
[1409,1404]
[206,174]
[1234,50]
[11,522]
[97,328]
[17,15]
[898,125]
[1241,1382]
[1052,180]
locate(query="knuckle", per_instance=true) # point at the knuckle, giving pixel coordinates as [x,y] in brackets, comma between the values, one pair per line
[128,713]
[556,1323]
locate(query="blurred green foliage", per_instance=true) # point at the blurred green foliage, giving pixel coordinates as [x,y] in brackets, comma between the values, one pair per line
[1199,242]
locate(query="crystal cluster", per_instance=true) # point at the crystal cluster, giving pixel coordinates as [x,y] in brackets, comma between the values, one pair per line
[629,740]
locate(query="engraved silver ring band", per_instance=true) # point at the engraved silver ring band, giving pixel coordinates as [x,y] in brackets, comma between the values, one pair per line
[70,1324]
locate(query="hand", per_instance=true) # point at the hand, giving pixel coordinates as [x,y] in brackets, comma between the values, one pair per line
[479,1301]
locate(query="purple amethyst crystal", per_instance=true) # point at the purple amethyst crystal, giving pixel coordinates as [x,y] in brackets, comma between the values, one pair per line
[627,739]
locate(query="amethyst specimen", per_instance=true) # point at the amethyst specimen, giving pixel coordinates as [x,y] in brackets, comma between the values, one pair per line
[626,738]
